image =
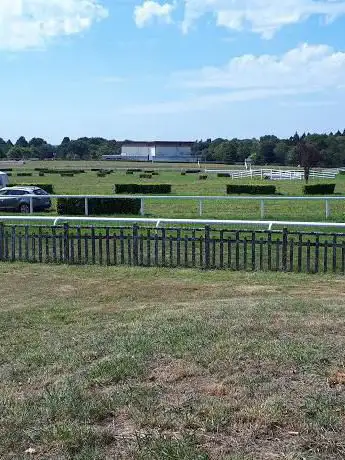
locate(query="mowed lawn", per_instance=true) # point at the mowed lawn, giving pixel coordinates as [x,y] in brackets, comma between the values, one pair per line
[89,183]
[123,363]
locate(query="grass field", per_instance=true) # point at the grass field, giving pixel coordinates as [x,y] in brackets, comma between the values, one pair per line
[89,183]
[105,363]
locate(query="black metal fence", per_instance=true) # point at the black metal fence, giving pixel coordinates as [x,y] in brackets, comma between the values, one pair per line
[206,248]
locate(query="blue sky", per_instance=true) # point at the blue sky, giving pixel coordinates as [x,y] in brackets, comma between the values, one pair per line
[171,69]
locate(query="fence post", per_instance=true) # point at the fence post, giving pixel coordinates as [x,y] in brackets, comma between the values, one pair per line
[328,210]
[86,206]
[2,233]
[200,208]
[66,243]
[207,247]
[142,207]
[284,249]
[135,245]
[262,209]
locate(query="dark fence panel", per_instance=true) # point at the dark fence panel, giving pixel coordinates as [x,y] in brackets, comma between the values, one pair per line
[204,248]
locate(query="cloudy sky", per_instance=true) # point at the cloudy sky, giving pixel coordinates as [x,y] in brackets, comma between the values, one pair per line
[171,69]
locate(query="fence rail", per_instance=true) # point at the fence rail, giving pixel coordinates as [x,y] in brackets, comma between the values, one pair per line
[203,248]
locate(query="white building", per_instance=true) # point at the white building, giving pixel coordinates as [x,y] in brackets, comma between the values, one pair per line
[155,151]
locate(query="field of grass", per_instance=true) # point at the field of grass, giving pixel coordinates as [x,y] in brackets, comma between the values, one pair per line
[89,183]
[116,363]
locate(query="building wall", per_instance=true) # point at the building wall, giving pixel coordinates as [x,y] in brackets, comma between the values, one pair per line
[158,152]
[136,151]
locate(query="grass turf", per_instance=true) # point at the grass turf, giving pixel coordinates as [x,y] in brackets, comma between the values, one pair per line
[89,183]
[123,363]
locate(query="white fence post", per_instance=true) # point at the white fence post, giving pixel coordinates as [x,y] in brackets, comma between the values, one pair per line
[262,209]
[328,210]
[86,206]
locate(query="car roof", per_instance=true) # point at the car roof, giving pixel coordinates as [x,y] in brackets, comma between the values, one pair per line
[18,187]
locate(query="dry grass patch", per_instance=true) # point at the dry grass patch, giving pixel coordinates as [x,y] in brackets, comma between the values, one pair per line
[121,363]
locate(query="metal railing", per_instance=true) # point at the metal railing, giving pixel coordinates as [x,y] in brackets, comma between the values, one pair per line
[199,199]
[191,247]
[160,222]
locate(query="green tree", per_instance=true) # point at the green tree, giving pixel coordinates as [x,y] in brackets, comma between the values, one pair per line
[22,142]
[19,153]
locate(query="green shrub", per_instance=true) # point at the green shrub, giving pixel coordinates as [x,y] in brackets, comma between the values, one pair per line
[135,170]
[41,174]
[67,174]
[141,189]
[145,176]
[101,174]
[98,206]
[319,189]
[251,189]
[129,173]
[9,174]
[183,173]
[6,169]
[24,174]
[193,171]
[202,177]
[155,173]
[342,172]
[49,188]
[223,175]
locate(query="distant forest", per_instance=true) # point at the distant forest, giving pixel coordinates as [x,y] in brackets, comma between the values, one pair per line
[264,151]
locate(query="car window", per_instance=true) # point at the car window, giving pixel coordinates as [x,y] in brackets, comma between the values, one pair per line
[3,192]
[40,192]
[17,192]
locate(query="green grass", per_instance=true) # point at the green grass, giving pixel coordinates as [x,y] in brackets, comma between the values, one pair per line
[89,183]
[101,363]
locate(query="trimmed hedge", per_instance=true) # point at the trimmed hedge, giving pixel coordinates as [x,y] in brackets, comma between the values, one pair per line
[142,189]
[135,170]
[6,169]
[145,176]
[129,173]
[24,174]
[251,189]
[67,174]
[203,177]
[193,171]
[155,173]
[319,189]
[223,175]
[41,174]
[49,188]
[98,206]
[183,173]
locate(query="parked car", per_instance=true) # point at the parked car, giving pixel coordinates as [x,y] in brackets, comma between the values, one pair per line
[18,199]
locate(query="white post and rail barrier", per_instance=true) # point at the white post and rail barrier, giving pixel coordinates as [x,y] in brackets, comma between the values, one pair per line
[199,199]
[158,222]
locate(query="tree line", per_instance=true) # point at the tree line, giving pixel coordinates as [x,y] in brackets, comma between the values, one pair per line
[267,150]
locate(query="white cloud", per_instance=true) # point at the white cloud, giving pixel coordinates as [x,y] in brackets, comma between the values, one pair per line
[150,9]
[264,17]
[32,23]
[303,70]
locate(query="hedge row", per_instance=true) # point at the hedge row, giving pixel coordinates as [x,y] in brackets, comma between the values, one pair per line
[251,189]
[319,189]
[49,188]
[98,206]
[60,171]
[224,175]
[24,174]
[142,189]
[133,170]
[193,171]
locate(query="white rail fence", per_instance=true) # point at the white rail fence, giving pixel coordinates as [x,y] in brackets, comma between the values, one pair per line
[159,222]
[277,174]
[262,200]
